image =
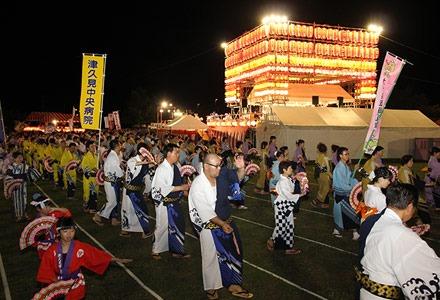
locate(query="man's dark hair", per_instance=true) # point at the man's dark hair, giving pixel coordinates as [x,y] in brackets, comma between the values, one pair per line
[334,147]
[16,154]
[400,195]
[263,144]
[322,148]
[113,143]
[284,165]
[435,150]
[340,151]
[382,172]
[278,153]
[168,148]
[405,159]
[377,149]
[88,143]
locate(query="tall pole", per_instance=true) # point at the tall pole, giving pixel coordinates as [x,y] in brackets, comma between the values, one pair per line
[100,113]
[3,125]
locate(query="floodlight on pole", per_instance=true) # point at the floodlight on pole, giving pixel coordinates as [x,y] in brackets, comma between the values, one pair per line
[274,19]
[164,104]
[375,28]
[224,45]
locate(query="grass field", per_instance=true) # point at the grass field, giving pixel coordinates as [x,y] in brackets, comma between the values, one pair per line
[323,270]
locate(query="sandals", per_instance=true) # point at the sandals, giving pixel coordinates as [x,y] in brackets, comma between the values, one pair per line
[147,235]
[315,203]
[124,234]
[245,294]
[212,295]
[184,255]
[293,251]
[156,256]
[270,245]
[97,220]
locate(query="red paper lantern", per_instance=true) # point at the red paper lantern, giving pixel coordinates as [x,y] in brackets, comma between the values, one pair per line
[350,51]
[376,53]
[297,30]
[367,37]
[309,31]
[303,31]
[355,37]
[291,30]
[272,45]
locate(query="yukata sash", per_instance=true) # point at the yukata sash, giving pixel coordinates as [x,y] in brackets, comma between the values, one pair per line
[229,255]
[176,221]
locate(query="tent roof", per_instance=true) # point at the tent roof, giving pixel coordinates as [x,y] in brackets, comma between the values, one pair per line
[48,117]
[187,122]
[349,117]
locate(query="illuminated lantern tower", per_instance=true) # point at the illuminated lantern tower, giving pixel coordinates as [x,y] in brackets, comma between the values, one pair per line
[267,64]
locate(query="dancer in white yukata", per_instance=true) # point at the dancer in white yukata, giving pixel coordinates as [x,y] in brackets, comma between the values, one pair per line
[394,259]
[134,214]
[222,256]
[113,177]
[167,192]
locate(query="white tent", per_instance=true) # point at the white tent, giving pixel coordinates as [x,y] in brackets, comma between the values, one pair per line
[186,123]
[345,127]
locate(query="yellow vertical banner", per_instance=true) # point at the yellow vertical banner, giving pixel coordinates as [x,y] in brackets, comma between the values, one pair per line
[92,90]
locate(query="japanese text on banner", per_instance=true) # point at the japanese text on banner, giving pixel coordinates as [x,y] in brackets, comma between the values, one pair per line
[91,91]
[392,66]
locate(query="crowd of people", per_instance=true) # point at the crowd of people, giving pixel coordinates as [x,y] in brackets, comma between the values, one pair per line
[139,166]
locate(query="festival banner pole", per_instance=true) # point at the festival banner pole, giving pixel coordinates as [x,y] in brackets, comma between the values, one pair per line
[3,132]
[391,68]
[102,105]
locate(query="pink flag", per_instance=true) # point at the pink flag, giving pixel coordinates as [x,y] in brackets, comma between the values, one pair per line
[391,68]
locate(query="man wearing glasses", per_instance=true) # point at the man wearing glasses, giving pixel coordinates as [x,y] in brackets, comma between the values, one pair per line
[220,242]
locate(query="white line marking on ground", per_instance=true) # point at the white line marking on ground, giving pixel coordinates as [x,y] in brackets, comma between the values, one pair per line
[327,215]
[129,272]
[4,280]
[301,209]
[284,280]
[297,236]
[267,272]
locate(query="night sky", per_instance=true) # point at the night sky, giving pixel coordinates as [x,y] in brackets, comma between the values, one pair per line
[171,51]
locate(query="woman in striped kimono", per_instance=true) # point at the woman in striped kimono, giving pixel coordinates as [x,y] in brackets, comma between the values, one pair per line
[19,170]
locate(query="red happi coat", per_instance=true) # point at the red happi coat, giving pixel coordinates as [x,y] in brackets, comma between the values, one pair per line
[83,255]
[43,246]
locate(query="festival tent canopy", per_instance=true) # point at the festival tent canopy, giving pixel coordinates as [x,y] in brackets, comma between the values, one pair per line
[346,127]
[186,123]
